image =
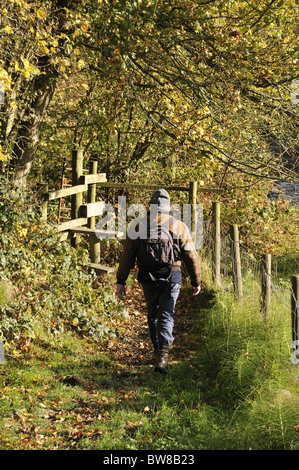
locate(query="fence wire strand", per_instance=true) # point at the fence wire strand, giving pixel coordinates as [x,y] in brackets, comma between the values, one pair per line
[282,295]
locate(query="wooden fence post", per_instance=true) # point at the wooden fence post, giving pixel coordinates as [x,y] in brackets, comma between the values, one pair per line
[94,242]
[295,306]
[266,285]
[91,194]
[94,249]
[44,205]
[192,201]
[236,260]
[216,242]
[77,171]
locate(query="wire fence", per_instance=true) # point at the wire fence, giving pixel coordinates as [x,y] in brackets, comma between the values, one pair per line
[261,288]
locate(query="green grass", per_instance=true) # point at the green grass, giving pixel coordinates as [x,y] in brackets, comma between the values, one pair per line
[236,389]
[105,407]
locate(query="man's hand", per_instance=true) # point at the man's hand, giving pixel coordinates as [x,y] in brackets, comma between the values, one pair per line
[196,290]
[120,291]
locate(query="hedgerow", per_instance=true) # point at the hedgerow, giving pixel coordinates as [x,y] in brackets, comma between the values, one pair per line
[52,289]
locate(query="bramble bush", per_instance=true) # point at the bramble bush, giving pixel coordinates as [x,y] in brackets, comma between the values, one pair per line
[52,289]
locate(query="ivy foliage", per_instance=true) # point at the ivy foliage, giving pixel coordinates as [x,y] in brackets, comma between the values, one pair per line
[52,291]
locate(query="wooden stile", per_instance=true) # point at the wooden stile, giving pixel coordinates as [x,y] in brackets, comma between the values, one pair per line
[93,209]
[101,267]
[71,224]
[92,191]
[80,188]
[93,178]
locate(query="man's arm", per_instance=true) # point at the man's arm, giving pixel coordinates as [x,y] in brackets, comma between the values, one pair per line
[190,257]
[126,263]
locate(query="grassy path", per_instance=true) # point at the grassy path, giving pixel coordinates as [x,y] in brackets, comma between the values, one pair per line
[82,395]
[133,347]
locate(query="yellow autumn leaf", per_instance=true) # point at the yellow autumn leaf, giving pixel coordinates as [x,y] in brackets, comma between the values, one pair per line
[3,158]
[84,85]
[80,64]
[25,62]
[8,29]
[41,13]
[84,27]
[13,105]
[44,50]
[26,73]
[23,232]
[3,74]
[4,11]
[76,33]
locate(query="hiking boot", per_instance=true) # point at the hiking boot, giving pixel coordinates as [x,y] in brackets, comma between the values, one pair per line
[162,364]
[155,353]
[156,356]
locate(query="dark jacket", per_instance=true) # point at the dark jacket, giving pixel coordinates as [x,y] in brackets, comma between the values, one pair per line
[187,252]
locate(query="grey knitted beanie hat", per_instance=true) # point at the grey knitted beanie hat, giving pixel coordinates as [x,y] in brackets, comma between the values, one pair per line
[161,199]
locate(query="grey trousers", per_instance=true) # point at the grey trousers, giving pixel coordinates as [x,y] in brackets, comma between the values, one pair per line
[161,308]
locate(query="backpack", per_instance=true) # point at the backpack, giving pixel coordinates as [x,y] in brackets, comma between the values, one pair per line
[158,251]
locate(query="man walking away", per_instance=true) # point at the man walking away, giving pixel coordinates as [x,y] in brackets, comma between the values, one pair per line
[163,242]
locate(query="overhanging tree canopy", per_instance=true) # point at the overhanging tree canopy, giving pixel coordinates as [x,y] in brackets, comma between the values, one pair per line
[214,78]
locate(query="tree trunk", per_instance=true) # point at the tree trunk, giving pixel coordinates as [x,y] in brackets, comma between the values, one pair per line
[29,129]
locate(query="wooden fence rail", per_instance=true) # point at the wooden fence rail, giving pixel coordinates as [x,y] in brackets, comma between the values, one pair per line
[160,186]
